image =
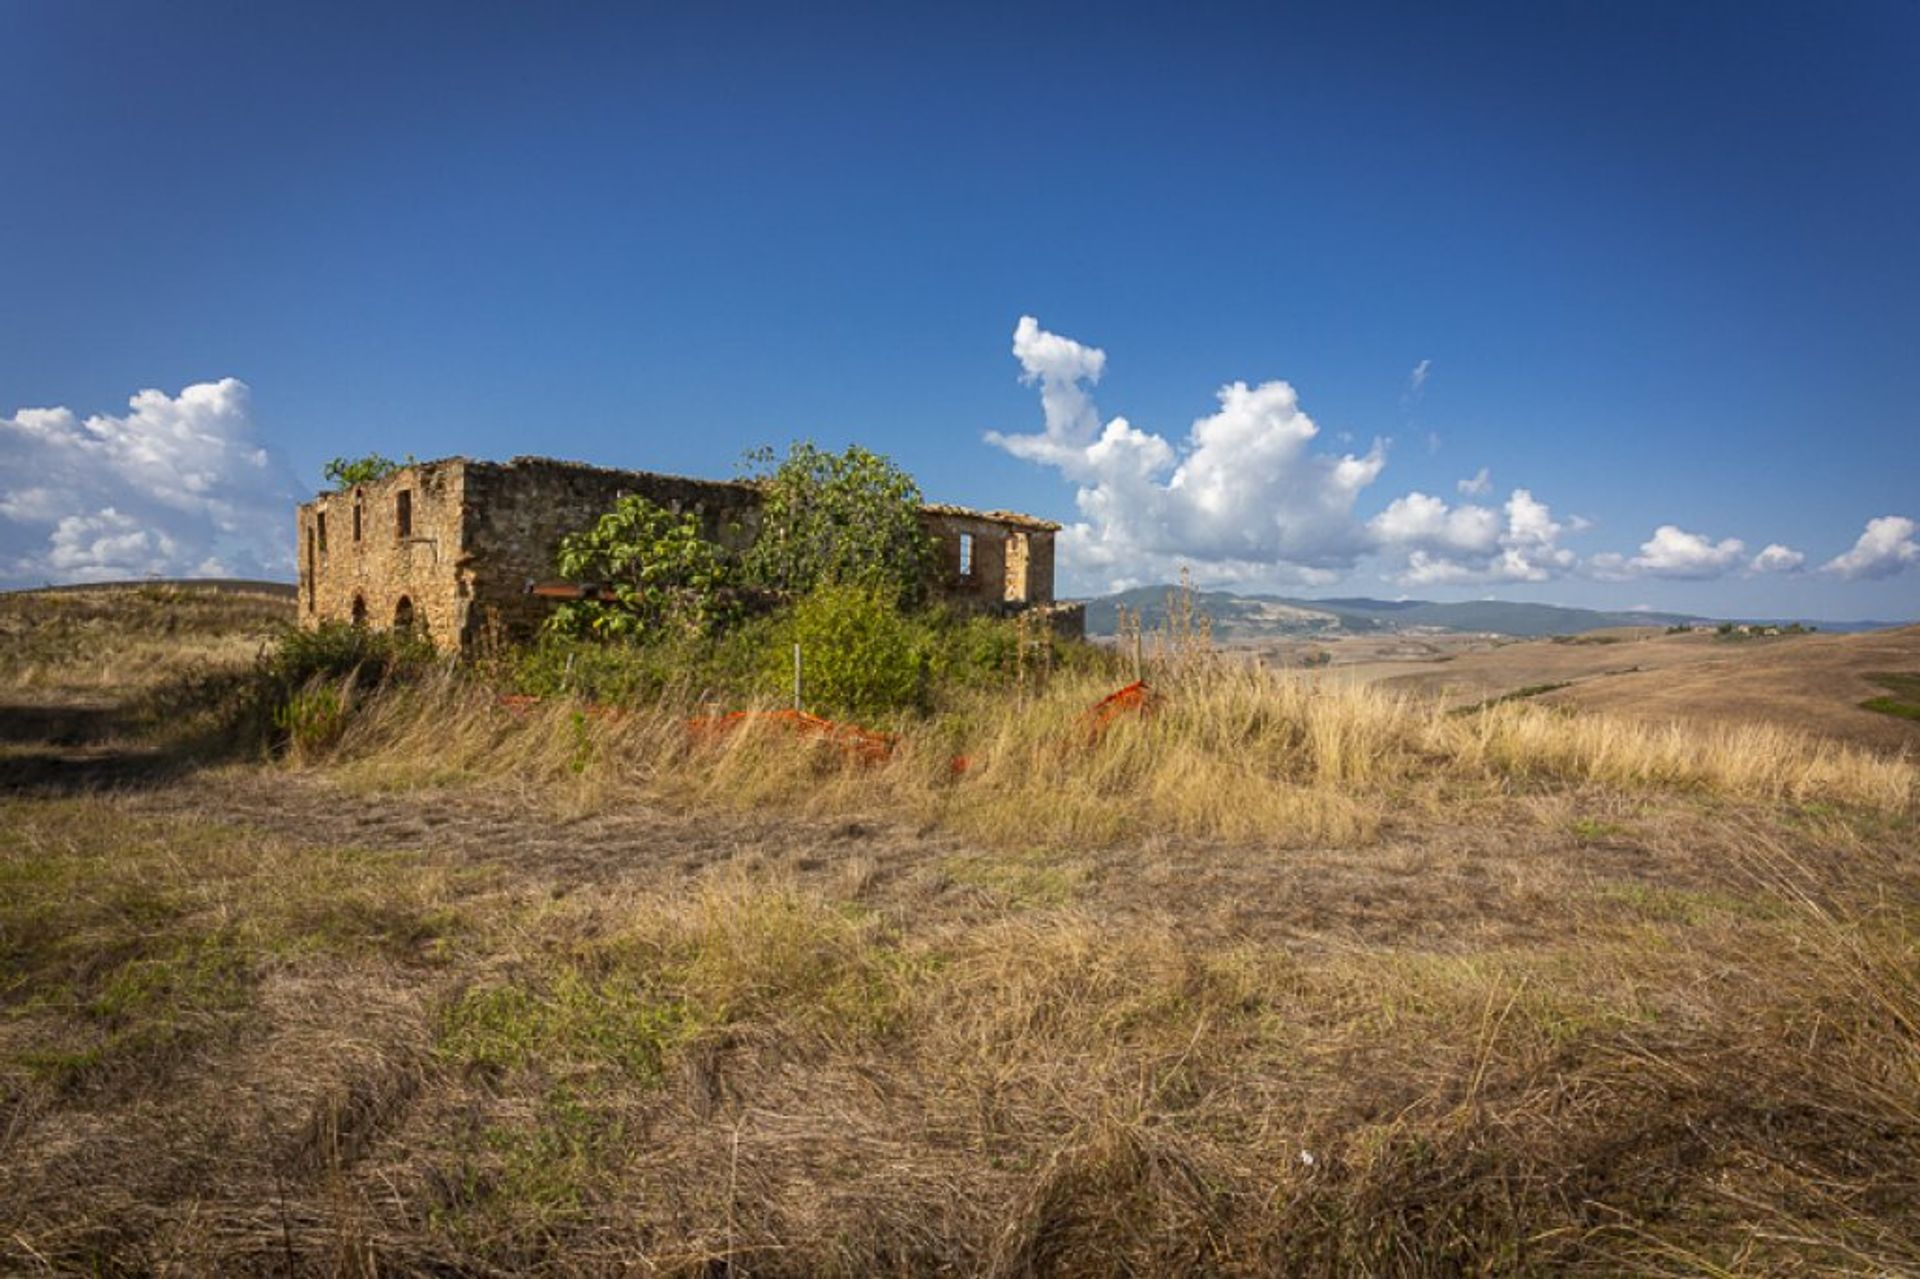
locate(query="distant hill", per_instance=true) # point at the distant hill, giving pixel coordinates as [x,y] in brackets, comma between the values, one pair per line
[1240,617]
[239,585]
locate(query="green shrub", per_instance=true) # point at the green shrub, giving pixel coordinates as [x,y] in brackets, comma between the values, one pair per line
[312,719]
[298,693]
[729,666]
[345,472]
[658,570]
[337,650]
[861,657]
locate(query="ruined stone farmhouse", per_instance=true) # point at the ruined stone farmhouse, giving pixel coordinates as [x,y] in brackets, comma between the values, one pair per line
[453,547]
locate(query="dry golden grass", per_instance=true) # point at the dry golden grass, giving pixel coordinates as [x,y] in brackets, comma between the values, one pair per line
[343,1062]
[1275,980]
[100,640]
[1230,752]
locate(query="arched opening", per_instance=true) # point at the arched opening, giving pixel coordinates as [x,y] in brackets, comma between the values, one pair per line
[360,610]
[403,616]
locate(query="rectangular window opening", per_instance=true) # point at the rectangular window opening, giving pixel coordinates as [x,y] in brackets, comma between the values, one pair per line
[403,512]
[320,527]
[356,521]
[966,555]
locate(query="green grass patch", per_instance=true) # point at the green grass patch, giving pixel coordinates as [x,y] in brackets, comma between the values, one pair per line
[566,1024]
[1517,695]
[1902,699]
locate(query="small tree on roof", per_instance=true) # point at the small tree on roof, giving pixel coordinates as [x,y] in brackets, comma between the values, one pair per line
[345,472]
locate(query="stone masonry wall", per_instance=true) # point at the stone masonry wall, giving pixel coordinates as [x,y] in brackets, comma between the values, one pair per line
[517,512]
[480,531]
[381,566]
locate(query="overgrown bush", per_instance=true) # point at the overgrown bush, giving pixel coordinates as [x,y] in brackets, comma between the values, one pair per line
[658,572]
[861,656]
[838,519]
[300,693]
[345,472]
[693,667]
[337,650]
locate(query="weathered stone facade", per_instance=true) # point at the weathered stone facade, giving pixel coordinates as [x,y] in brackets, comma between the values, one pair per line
[451,546]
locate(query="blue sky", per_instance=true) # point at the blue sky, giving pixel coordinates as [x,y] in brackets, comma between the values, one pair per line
[1658,264]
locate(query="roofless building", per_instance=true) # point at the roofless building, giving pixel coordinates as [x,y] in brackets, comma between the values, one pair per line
[453,546]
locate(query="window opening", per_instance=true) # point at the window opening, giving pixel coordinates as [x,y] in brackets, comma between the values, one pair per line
[966,555]
[356,517]
[403,512]
[360,610]
[320,526]
[403,616]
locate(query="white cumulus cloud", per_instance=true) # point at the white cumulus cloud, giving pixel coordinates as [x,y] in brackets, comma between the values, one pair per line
[1246,497]
[180,485]
[1445,545]
[1885,548]
[1776,558]
[1672,552]
[1243,495]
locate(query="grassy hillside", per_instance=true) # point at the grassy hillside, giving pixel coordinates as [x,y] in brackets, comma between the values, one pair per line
[1269,977]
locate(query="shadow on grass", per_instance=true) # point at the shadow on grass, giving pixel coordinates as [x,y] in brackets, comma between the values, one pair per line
[76,748]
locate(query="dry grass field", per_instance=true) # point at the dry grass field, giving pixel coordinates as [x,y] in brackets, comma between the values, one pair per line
[1283,977]
[1811,683]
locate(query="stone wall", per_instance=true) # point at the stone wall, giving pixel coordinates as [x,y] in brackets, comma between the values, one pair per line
[481,531]
[382,566]
[1009,559]
[517,512]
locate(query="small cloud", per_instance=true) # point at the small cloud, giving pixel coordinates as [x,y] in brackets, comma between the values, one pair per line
[1479,485]
[1433,442]
[1778,559]
[1674,552]
[1417,380]
[1885,548]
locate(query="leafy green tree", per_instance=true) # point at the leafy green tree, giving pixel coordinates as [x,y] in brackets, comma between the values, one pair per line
[838,519]
[657,571]
[345,472]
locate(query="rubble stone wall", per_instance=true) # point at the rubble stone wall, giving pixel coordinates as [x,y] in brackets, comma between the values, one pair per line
[479,532]
[381,567]
[517,512]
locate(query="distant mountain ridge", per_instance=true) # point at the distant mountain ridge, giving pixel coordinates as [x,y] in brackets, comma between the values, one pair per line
[1277,616]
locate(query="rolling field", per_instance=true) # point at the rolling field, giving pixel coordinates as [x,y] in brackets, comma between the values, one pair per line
[1283,977]
[1811,683]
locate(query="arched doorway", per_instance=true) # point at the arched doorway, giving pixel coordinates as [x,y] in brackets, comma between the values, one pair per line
[360,610]
[403,616]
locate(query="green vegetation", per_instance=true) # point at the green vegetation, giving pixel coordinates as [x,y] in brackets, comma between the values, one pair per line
[1903,695]
[838,519]
[345,472]
[658,571]
[1516,695]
